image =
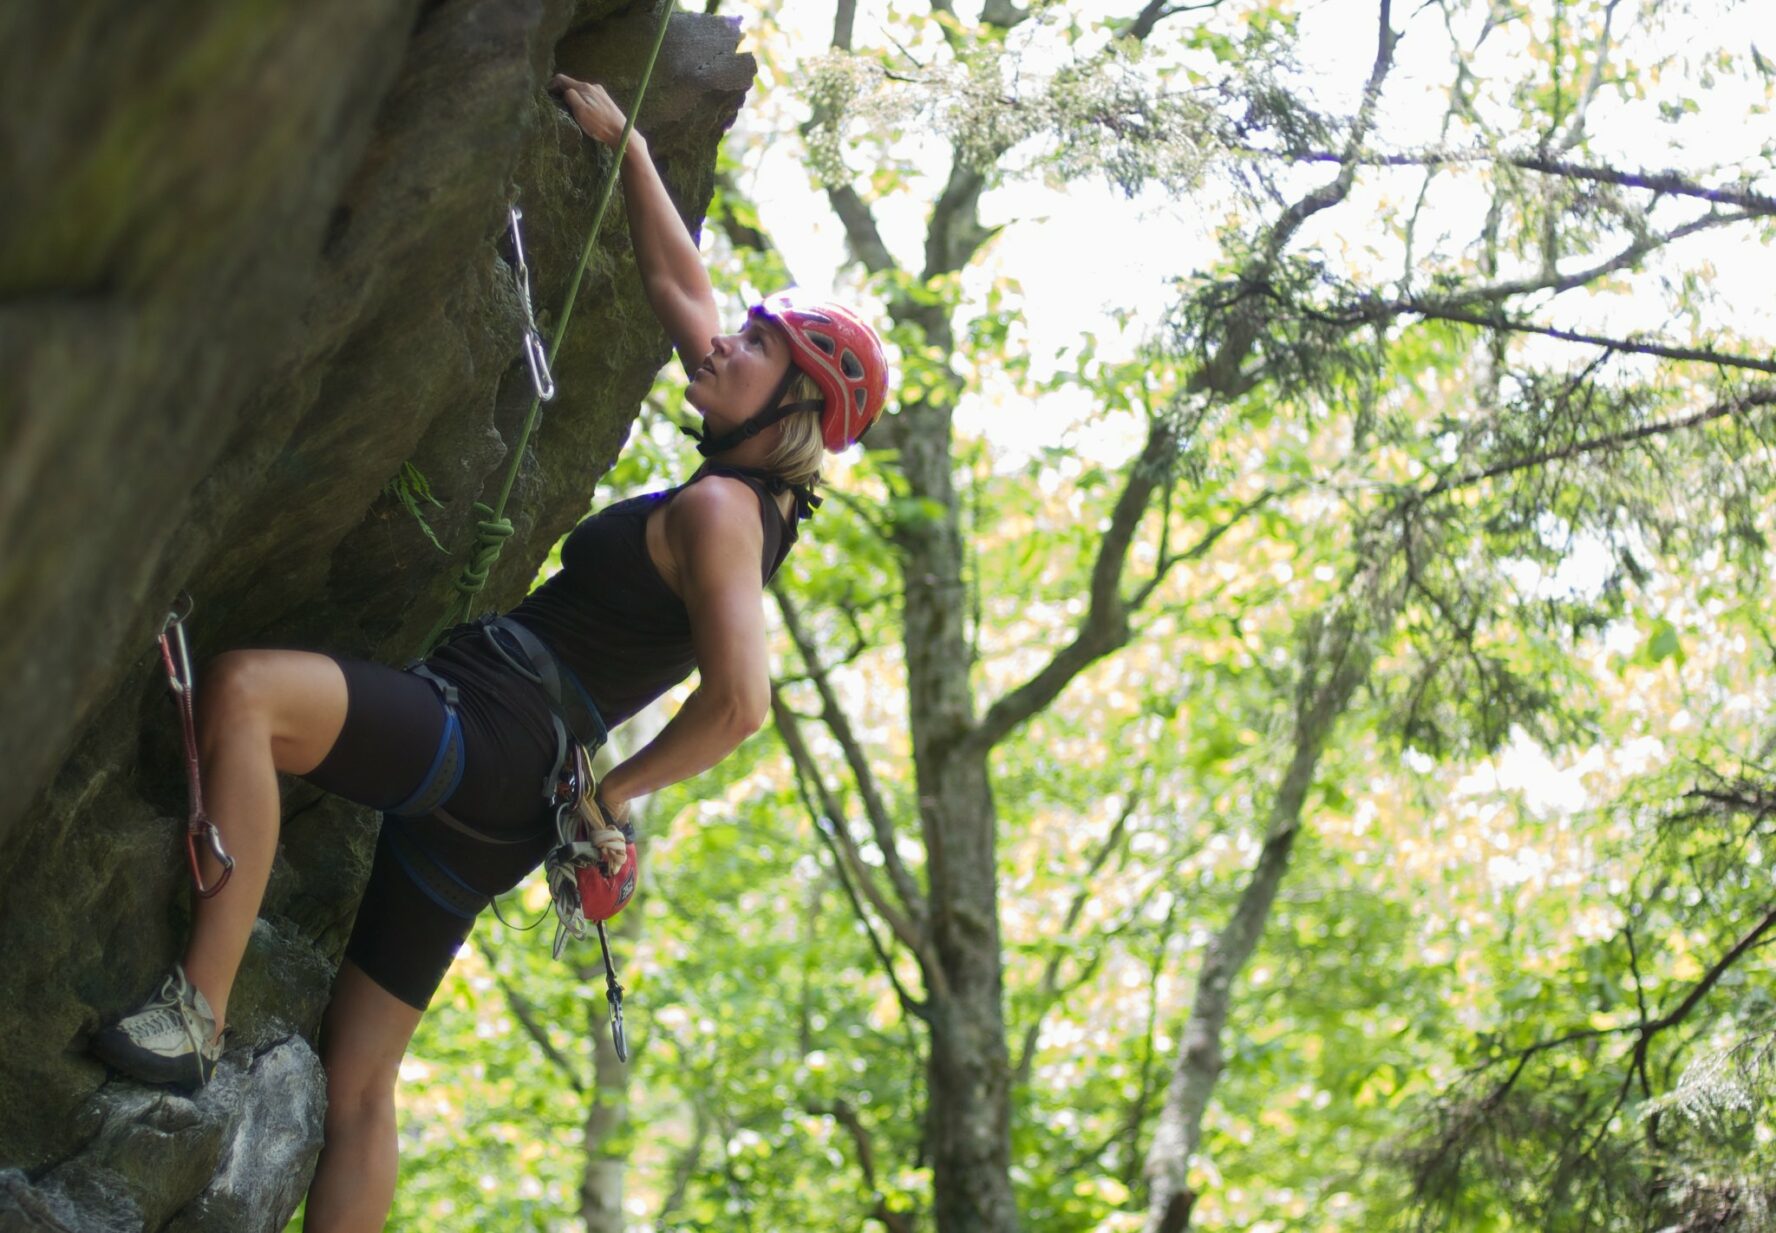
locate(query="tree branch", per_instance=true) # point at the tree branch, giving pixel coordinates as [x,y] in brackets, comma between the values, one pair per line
[1668,183]
[1049,994]
[839,723]
[1757,396]
[1224,372]
[686,1167]
[1339,188]
[850,861]
[1105,626]
[1453,307]
[842,1113]
[1493,321]
[1157,11]
[1334,661]
[527,1018]
[1643,1029]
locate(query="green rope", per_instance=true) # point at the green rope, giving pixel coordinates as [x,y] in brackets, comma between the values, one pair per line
[493,528]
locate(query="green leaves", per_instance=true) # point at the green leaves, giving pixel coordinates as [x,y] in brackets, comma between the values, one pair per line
[411,489]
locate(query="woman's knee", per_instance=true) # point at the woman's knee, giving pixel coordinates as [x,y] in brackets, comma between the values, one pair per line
[296,700]
[364,1036]
[359,1101]
[232,691]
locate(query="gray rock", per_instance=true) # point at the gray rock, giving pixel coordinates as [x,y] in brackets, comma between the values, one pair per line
[269,1149]
[250,265]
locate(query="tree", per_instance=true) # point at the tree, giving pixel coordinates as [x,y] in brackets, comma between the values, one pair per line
[1278,329]
[1151,716]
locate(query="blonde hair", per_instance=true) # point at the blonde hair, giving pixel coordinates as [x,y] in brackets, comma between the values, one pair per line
[800,447]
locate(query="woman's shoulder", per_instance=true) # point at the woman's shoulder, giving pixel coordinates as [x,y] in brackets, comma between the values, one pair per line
[709,500]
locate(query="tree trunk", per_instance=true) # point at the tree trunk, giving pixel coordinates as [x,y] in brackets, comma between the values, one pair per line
[607,1112]
[1332,668]
[607,1147]
[968,1068]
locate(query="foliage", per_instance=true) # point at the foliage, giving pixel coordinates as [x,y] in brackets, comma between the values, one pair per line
[1444,377]
[411,488]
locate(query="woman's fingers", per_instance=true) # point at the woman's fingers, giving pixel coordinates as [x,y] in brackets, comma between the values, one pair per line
[591,106]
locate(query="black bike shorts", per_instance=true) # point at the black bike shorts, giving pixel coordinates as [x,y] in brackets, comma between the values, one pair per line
[405,937]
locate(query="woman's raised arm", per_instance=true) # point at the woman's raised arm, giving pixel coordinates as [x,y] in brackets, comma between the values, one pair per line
[672,272]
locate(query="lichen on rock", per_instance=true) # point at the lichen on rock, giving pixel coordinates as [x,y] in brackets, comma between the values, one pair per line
[250,265]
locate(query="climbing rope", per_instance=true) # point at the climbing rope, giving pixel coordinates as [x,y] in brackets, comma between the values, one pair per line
[492,527]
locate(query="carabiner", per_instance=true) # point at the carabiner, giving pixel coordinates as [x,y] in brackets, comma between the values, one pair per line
[179,675]
[174,616]
[213,840]
[541,379]
[535,354]
[613,993]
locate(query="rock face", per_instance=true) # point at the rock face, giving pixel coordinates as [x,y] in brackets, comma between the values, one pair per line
[251,263]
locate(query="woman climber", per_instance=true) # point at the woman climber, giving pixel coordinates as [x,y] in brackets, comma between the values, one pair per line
[454,751]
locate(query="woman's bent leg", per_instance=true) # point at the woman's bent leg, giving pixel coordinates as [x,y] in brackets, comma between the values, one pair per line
[259,712]
[363,1038]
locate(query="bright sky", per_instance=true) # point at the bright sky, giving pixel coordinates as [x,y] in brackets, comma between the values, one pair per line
[1086,252]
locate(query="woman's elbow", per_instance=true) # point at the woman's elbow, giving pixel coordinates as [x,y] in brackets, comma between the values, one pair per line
[753,712]
[743,710]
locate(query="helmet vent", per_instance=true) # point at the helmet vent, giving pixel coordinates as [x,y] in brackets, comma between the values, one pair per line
[852,365]
[858,397]
[823,341]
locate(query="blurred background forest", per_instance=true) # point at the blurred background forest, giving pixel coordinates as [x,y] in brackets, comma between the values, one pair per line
[1274,732]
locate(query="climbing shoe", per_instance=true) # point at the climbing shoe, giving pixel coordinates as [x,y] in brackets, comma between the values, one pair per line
[166,1041]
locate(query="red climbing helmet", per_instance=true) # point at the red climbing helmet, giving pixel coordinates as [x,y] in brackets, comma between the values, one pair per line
[842,354]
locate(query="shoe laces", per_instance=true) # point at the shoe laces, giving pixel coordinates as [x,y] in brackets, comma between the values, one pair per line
[180,1005]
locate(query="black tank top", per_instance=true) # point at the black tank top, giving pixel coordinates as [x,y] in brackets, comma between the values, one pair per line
[609,615]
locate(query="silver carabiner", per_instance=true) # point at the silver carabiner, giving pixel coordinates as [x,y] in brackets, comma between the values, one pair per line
[180,679]
[535,354]
[541,379]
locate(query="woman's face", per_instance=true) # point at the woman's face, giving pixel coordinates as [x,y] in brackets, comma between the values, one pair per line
[740,374]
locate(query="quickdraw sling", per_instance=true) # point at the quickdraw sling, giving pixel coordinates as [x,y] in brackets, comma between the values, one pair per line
[175,657]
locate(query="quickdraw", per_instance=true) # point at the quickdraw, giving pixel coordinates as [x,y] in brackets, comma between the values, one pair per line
[542,381]
[175,656]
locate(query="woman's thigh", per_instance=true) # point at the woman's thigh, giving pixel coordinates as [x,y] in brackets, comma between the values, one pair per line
[388,737]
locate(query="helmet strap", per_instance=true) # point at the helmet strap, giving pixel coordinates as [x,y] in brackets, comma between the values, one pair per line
[775,409]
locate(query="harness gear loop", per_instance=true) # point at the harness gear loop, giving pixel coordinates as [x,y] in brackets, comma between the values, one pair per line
[175,656]
[541,379]
[486,552]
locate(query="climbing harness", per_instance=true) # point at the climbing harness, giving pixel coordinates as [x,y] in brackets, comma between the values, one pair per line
[583,892]
[175,656]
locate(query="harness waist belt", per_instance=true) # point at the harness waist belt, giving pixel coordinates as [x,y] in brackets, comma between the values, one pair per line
[530,657]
